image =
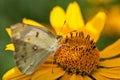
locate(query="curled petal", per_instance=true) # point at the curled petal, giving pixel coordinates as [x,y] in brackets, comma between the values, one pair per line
[96,25]
[74,17]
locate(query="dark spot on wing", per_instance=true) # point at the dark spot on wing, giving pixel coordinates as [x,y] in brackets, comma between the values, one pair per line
[31,65]
[17,42]
[17,62]
[35,47]
[22,56]
[37,34]
[16,49]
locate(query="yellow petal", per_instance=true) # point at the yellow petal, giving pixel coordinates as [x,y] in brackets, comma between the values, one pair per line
[98,76]
[57,18]
[86,78]
[31,22]
[66,76]
[15,74]
[111,63]
[9,32]
[73,77]
[111,50]
[10,47]
[79,77]
[110,72]
[74,17]
[96,25]
[112,26]
[47,73]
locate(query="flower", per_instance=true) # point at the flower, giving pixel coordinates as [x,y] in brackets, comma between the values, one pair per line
[113,27]
[78,57]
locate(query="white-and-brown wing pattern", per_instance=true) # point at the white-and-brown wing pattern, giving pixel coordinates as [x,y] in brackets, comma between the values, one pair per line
[32,46]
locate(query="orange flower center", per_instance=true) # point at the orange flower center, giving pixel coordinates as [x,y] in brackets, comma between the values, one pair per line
[77,54]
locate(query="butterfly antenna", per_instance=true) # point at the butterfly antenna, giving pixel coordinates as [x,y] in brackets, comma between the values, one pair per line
[58,37]
[52,62]
[62,28]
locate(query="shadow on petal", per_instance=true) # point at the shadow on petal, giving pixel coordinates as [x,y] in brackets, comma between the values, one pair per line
[111,63]
[109,72]
[47,74]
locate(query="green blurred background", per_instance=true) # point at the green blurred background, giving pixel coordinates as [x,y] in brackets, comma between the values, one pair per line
[13,11]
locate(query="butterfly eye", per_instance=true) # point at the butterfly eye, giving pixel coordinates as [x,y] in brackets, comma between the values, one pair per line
[59,37]
[35,47]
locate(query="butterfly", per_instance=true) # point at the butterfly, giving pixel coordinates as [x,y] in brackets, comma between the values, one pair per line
[33,45]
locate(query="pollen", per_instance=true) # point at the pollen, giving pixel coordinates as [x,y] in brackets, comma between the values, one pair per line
[77,54]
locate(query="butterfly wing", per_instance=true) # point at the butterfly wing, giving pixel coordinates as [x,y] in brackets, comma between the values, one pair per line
[32,46]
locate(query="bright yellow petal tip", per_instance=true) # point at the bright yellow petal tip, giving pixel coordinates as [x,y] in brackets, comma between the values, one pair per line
[15,74]
[10,72]
[57,18]
[96,25]
[66,22]
[74,17]
[10,47]
[9,32]
[31,22]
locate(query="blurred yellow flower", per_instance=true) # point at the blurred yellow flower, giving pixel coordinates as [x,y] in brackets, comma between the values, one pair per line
[112,26]
[78,58]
